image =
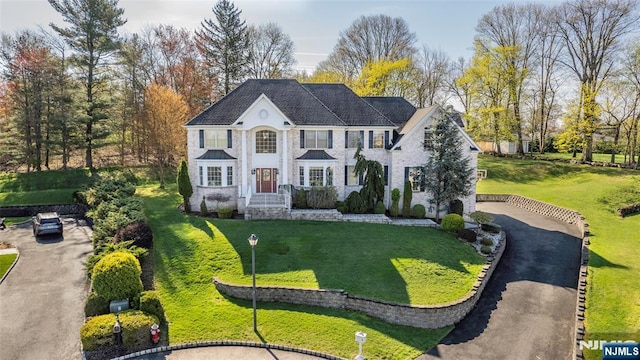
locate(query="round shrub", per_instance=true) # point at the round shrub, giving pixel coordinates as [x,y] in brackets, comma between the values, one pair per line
[150,304]
[117,276]
[355,204]
[96,305]
[379,209]
[452,223]
[418,211]
[98,330]
[485,249]
[486,241]
[456,207]
[140,232]
[467,235]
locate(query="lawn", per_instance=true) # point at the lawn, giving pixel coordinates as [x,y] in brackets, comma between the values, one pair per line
[403,264]
[5,262]
[596,157]
[613,297]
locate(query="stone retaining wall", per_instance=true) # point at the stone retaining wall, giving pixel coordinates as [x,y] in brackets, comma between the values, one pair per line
[568,216]
[428,317]
[32,210]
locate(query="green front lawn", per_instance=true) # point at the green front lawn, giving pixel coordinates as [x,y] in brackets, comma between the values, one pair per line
[5,262]
[613,297]
[402,264]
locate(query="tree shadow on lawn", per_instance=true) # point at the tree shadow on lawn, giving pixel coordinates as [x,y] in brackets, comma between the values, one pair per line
[350,260]
[531,255]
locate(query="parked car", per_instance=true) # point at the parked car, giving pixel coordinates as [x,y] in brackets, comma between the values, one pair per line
[47,223]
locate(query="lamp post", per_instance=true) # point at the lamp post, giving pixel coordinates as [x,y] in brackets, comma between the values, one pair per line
[253,241]
[361,338]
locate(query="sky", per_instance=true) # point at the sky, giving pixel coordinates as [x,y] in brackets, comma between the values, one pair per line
[313,25]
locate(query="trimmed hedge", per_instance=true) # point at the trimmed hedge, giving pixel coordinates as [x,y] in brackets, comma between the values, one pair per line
[225,213]
[418,211]
[150,303]
[628,210]
[301,199]
[117,276]
[379,208]
[97,332]
[96,305]
[452,223]
[322,197]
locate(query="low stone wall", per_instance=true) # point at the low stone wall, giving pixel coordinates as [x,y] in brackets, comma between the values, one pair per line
[568,216]
[32,210]
[428,317]
[320,215]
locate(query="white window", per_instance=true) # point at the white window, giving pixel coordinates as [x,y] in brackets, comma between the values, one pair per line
[378,139]
[266,142]
[215,175]
[414,175]
[316,174]
[301,175]
[229,175]
[354,138]
[428,139]
[318,139]
[352,177]
[215,139]
[328,177]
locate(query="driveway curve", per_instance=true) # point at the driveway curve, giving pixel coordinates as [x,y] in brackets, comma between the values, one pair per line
[42,298]
[527,310]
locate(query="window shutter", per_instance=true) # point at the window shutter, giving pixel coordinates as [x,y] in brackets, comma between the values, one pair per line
[301,139]
[346,139]
[346,175]
[406,173]
[360,179]
[229,139]
[201,134]
[330,136]
[386,139]
[370,139]
[362,138]
[386,175]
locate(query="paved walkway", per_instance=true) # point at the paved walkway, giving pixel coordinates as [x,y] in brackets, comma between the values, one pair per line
[527,310]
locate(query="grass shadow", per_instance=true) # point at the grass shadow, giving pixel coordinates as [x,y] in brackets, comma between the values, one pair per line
[597,261]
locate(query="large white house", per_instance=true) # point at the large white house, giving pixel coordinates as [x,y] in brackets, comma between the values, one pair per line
[268,133]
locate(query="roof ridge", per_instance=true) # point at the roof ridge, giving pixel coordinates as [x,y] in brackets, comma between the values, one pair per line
[322,103]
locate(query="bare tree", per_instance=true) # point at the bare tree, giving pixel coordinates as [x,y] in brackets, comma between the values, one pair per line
[434,70]
[370,38]
[620,104]
[592,31]
[270,52]
[461,90]
[631,72]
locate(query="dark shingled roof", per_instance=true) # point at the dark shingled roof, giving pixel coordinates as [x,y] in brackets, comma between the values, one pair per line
[316,155]
[395,108]
[294,100]
[215,155]
[347,105]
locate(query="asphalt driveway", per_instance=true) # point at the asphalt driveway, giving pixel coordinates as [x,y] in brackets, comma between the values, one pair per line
[42,299]
[527,309]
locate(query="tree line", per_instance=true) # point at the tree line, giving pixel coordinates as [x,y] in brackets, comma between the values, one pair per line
[570,70]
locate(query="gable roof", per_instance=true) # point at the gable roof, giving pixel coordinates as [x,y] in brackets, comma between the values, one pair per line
[351,108]
[316,155]
[395,108]
[215,155]
[294,100]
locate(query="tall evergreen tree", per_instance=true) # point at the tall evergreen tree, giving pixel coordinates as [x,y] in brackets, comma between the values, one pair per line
[447,174]
[224,44]
[373,188]
[93,35]
[184,185]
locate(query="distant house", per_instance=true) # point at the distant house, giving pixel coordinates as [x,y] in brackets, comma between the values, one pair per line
[268,133]
[506,146]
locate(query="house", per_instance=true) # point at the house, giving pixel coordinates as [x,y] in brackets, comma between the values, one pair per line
[506,146]
[268,133]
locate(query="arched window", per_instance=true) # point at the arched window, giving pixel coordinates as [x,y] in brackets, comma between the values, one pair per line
[266,142]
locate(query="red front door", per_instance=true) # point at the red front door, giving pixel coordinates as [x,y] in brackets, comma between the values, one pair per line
[266,180]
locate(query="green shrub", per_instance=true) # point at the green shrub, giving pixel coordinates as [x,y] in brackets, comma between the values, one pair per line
[117,276]
[492,228]
[108,248]
[139,232]
[418,211]
[150,303]
[406,199]
[456,207]
[481,217]
[394,210]
[485,249]
[467,235]
[203,207]
[322,197]
[225,213]
[108,189]
[379,208]
[96,305]
[355,204]
[452,223]
[486,241]
[98,330]
[340,206]
[301,199]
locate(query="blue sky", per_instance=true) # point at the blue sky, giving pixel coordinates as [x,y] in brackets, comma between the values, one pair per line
[313,25]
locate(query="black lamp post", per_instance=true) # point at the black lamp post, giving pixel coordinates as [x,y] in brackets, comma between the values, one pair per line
[253,241]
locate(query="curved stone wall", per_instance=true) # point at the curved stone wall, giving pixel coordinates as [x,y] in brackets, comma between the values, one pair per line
[32,210]
[428,317]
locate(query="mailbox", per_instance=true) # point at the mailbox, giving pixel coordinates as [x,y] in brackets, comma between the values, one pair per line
[116,306]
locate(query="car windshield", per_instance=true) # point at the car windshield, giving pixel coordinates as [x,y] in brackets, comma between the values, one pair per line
[49,221]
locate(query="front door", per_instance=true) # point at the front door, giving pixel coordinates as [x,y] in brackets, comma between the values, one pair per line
[266,180]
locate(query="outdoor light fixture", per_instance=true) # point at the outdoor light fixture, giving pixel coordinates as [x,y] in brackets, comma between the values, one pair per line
[253,171]
[253,241]
[361,338]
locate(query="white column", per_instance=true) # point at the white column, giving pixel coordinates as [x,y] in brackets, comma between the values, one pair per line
[285,157]
[244,166]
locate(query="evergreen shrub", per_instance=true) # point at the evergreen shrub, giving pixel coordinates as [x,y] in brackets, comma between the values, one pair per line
[452,223]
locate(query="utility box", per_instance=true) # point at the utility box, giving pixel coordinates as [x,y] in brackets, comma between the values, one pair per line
[116,306]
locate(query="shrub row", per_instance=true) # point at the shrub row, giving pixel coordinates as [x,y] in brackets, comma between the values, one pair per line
[97,332]
[628,210]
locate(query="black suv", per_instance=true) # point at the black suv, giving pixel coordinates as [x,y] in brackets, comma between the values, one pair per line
[47,223]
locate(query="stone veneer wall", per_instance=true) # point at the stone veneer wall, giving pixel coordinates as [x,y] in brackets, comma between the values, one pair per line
[428,317]
[32,210]
[568,216]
